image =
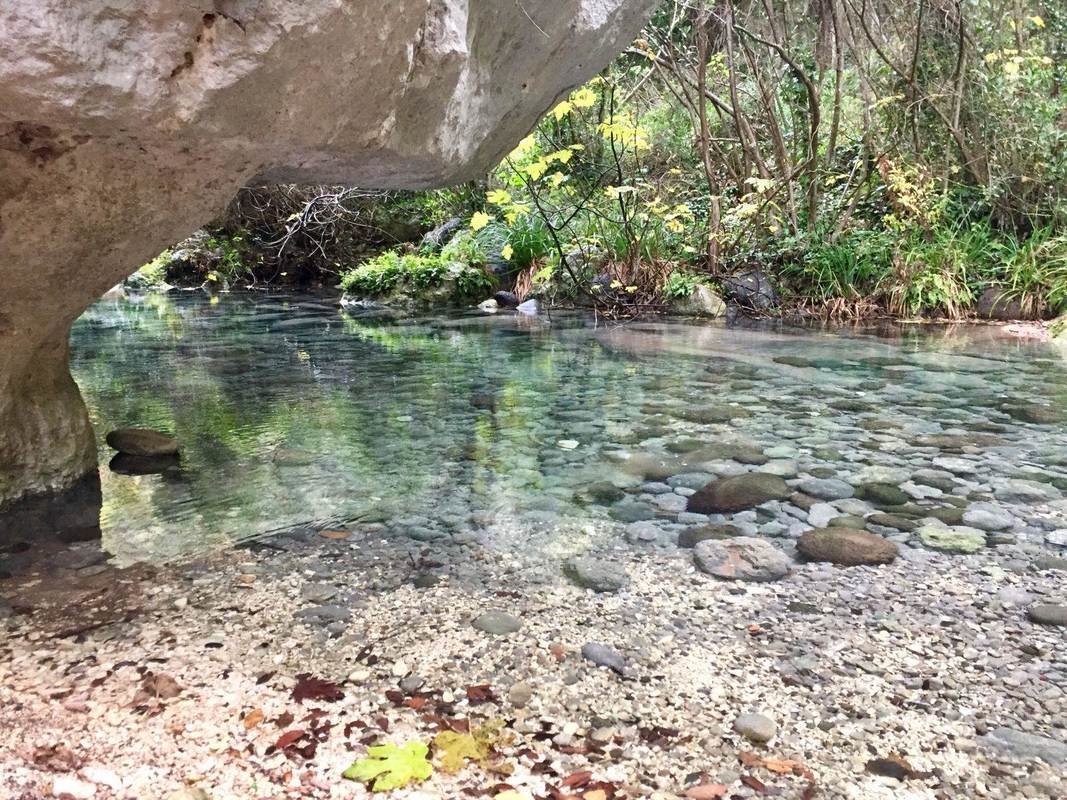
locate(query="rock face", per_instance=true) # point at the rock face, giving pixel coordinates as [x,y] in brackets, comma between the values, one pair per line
[126,126]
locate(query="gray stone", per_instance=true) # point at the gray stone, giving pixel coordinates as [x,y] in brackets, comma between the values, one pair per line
[820,514]
[324,615]
[497,623]
[743,558]
[1048,614]
[702,302]
[1019,744]
[825,488]
[519,694]
[595,573]
[604,656]
[938,536]
[756,728]
[988,517]
[691,537]
[318,592]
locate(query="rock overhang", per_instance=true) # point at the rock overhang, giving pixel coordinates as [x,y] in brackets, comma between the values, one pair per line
[125,126]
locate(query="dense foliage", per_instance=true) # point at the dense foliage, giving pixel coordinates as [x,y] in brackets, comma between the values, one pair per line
[868,156]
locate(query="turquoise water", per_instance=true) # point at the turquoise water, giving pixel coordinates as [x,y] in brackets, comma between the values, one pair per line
[532,433]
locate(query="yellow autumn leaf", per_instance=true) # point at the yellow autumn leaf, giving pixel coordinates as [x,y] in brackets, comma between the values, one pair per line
[498,197]
[557,178]
[507,252]
[479,220]
[562,110]
[583,98]
[1036,21]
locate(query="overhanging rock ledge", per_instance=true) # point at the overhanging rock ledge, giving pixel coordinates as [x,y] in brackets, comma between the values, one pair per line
[124,126]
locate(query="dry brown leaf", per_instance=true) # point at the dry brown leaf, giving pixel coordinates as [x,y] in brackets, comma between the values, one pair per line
[335,534]
[253,718]
[706,791]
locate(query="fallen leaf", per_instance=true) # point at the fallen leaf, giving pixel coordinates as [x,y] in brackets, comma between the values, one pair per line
[161,686]
[335,534]
[753,783]
[57,758]
[481,693]
[308,687]
[895,767]
[706,791]
[288,738]
[253,718]
[578,778]
[455,748]
[390,767]
[596,794]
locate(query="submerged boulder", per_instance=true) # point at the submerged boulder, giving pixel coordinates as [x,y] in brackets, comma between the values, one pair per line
[846,546]
[142,442]
[126,126]
[743,558]
[738,492]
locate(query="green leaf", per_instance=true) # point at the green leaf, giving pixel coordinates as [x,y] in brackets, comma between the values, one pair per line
[390,767]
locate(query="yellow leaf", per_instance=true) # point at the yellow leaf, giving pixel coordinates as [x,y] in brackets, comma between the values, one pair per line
[1037,22]
[498,197]
[583,98]
[479,220]
[562,110]
[507,252]
[558,178]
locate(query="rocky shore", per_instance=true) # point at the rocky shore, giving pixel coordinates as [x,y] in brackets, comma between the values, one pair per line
[934,676]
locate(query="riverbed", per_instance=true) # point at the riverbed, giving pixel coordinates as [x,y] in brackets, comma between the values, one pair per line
[478,517]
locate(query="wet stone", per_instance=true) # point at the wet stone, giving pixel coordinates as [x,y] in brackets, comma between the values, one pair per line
[590,572]
[743,559]
[497,623]
[757,728]
[604,656]
[1048,614]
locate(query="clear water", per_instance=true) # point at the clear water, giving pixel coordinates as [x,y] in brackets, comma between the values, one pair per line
[290,413]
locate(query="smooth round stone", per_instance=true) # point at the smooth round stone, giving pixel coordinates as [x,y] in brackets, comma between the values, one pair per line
[691,537]
[743,558]
[846,546]
[1048,614]
[892,476]
[738,493]
[757,728]
[142,442]
[596,574]
[496,623]
[988,517]
[955,465]
[882,494]
[1058,538]
[940,537]
[820,515]
[825,488]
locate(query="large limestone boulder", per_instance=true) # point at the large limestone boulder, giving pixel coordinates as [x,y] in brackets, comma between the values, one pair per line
[125,126]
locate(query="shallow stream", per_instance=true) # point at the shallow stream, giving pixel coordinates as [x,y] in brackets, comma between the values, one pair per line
[545,435]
